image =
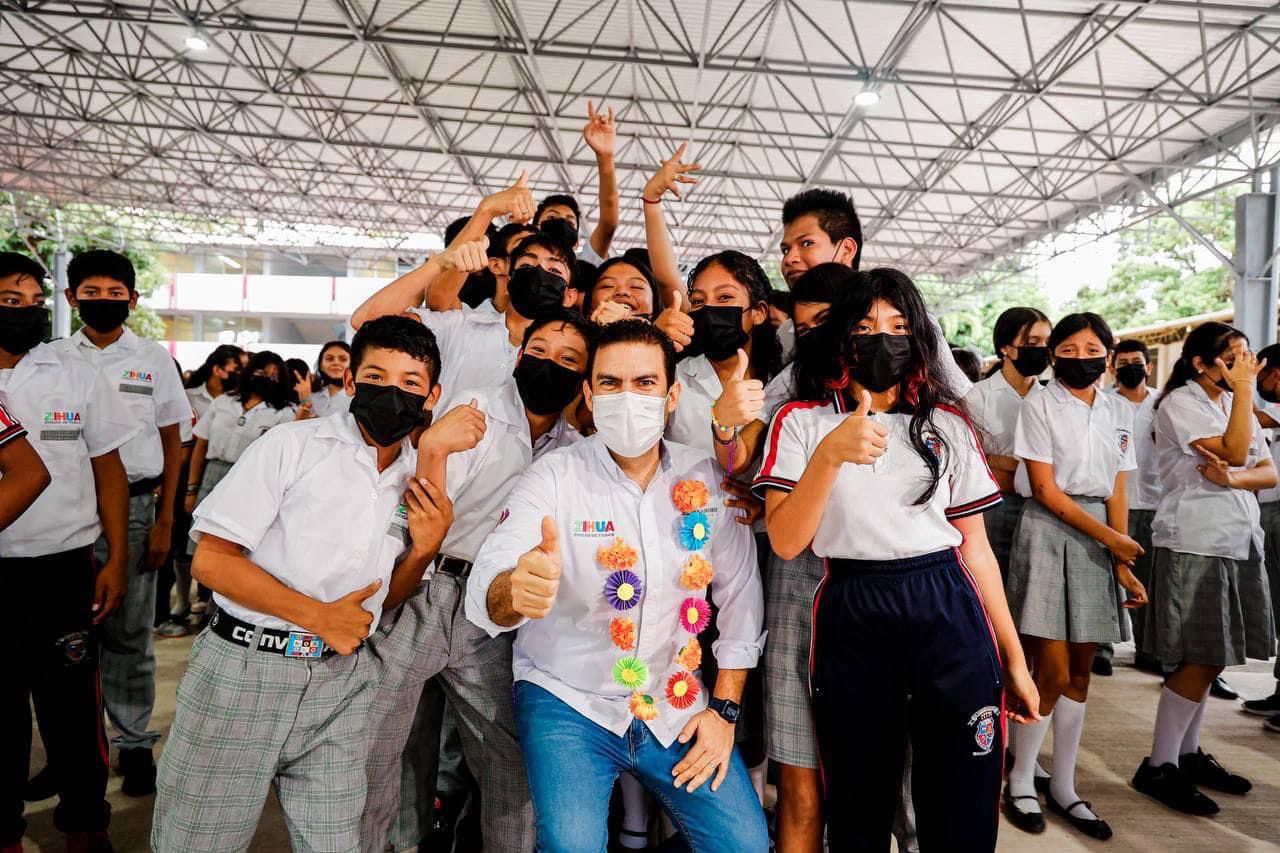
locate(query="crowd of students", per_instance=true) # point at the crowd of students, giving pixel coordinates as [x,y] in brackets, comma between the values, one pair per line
[567,522]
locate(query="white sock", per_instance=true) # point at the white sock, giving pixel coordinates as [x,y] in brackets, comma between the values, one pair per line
[1173,718]
[1191,740]
[1040,772]
[635,812]
[1029,737]
[1068,725]
[758,774]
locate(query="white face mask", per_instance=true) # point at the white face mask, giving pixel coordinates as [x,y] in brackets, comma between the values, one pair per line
[629,424]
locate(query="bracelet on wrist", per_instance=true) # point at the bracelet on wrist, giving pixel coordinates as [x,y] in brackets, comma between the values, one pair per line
[193,488]
[648,200]
[719,427]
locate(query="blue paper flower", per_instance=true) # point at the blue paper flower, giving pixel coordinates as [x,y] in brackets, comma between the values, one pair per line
[695,530]
[622,589]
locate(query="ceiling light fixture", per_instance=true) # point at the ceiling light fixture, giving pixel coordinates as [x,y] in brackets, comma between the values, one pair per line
[867,98]
[196,43]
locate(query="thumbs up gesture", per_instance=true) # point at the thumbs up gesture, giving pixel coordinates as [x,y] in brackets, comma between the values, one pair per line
[466,257]
[515,202]
[742,399]
[860,438]
[674,322]
[460,429]
[536,578]
[344,624]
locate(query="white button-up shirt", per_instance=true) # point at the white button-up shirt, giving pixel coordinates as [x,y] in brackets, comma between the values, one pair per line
[993,405]
[221,426]
[1272,439]
[479,480]
[324,404]
[73,415]
[569,652]
[1143,485]
[1087,445]
[308,505]
[143,374]
[881,497]
[200,399]
[1196,516]
[700,387]
[780,391]
[475,350]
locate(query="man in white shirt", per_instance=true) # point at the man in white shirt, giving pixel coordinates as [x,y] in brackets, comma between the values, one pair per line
[56,593]
[601,563]
[278,690]
[486,444]
[144,376]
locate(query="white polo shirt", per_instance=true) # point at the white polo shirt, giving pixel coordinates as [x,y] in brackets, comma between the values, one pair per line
[569,652]
[478,480]
[229,428]
[1196,516]
[880,498]
[780,390]
[1143,485]
[690,423]
[143,373]
[323,403]
[307,503]
[200,399]
[475,350]
[74,416]
[1087,445]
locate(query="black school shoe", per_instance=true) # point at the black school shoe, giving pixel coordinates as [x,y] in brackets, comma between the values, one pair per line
[1094,828]
[41,786]
[1268,707]
[1205,771]
[139,772]
[1102,666]
[1168,784]
[1032,822]
[1272,724]
[1219,689]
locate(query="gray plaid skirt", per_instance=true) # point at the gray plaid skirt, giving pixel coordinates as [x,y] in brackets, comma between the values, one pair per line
[789,587]
[1209,610]
[1061,585]
[1001,522]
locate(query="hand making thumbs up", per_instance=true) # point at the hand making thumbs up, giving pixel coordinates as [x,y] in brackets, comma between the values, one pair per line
[536,577]
[860,439]
[674,322]
[742,399]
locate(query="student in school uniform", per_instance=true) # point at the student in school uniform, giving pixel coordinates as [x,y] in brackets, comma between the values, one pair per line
[604,583]
[331,369]
[1131,369]
[56,592]
[622,288]
[1210,599]
[1269,518]
[1070,550]
[478,452]
[911,602]
[278,689]
[600,134]
[142,373]
[1020,337]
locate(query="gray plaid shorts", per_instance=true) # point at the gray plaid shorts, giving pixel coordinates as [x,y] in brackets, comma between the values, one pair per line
[789,589]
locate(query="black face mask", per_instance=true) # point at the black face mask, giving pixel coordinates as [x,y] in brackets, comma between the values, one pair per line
[104,315]
[1131,375]
[882,360]
[1031,361]
[815,343]
[22,328]
[1079,373]
[326,379]
[536,293]
[264,387]
[545,387]
[386,412]
[562,231]
[717,332]
[232,380]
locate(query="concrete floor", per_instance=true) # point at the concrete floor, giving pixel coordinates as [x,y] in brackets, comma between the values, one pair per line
[1117,736]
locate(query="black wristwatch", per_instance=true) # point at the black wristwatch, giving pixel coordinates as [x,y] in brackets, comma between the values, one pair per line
[726,708]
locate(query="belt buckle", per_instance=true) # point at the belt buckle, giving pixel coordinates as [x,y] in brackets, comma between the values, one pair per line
[302,645]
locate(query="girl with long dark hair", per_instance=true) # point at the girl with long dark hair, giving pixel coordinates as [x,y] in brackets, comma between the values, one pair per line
[886,482]
[1210,602]
[1070,550]
[329,395]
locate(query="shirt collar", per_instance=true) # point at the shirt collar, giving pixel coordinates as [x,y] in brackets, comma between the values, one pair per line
[127,340]
[1202,395]
[1062,394]
[601,451]
[342,427]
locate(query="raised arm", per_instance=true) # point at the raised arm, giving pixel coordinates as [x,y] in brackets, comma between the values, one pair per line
[601,135]
[1233,446]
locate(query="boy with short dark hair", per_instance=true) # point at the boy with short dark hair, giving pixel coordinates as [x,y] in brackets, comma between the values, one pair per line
[278,689]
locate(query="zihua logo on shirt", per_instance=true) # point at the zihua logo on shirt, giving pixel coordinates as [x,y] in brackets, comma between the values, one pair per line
[137,376]
[62,417]
[591,528]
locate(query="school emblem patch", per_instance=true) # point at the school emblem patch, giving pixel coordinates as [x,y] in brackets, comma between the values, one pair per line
[74,647]
[983,723]
[1124,441]
[934,445]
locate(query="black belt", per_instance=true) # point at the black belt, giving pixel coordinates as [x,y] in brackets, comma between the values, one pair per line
[144,486]
[453,566]
[290,644]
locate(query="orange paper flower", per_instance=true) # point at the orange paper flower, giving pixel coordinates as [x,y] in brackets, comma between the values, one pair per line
[643,707]
[623,633]
[690,656]
[619,555]
[690,495]
[682,690]
[697,573]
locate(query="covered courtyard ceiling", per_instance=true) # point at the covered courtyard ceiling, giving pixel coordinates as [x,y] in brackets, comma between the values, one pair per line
[998,121]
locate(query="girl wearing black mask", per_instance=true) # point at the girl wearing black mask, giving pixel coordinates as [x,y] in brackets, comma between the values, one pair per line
[1070,550]
[1020,338]
[1209,598]
[910,622]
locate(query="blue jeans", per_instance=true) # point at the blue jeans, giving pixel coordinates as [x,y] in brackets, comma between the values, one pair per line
[572,764]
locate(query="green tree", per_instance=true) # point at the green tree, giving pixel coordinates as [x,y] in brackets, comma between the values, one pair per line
[967,309]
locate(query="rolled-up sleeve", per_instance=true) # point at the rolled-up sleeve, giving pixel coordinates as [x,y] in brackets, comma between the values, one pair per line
[519,529]
[739,594]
